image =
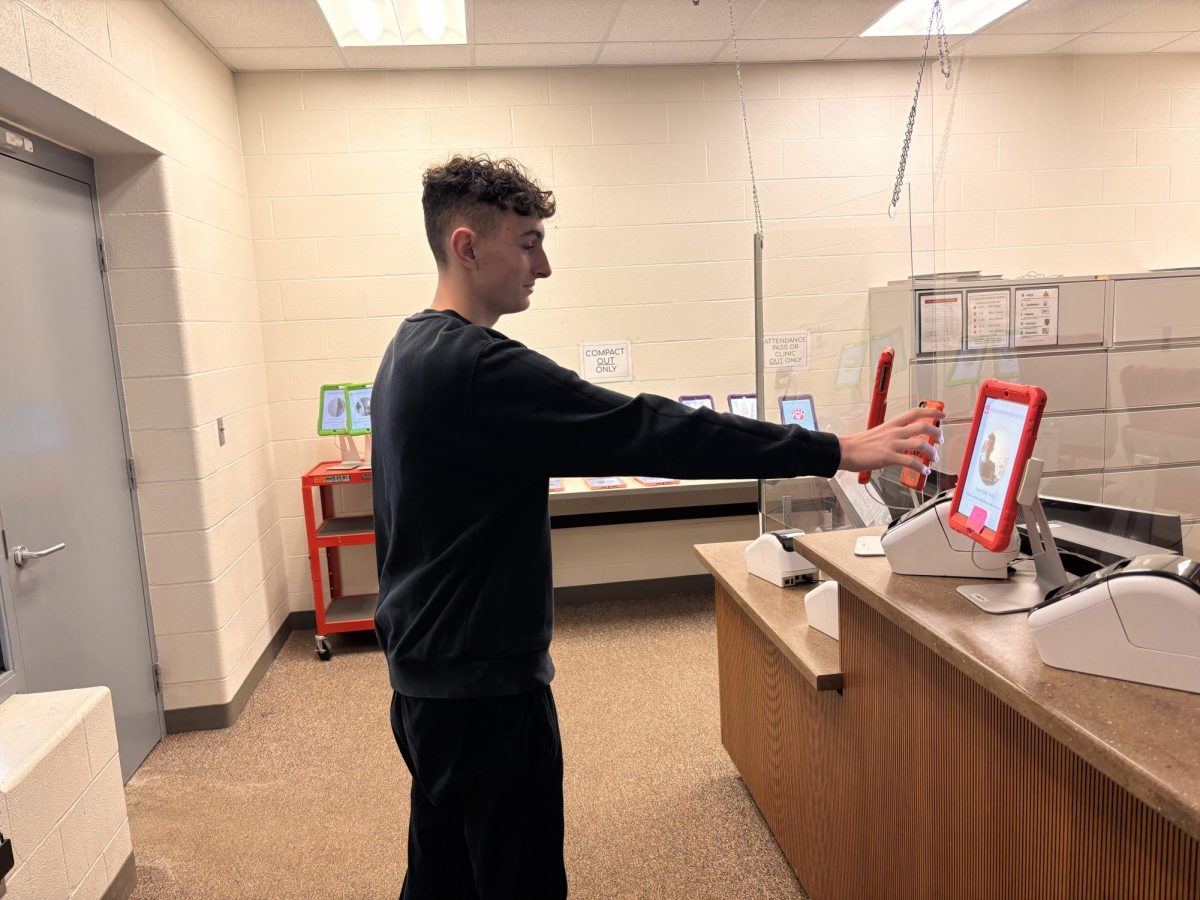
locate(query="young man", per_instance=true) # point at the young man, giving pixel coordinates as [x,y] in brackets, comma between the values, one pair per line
[468,427]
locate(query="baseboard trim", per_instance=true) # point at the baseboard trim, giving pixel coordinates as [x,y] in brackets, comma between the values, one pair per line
[126,880]
[635,590]
[222,715]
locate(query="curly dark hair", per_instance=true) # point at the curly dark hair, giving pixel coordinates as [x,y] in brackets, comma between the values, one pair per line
[472,190]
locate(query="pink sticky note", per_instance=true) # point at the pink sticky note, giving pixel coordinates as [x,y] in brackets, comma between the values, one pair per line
[978,519]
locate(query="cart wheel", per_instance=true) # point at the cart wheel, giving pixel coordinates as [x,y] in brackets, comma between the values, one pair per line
[324,648]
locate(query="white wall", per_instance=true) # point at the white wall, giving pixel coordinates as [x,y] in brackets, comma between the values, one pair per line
[182,279]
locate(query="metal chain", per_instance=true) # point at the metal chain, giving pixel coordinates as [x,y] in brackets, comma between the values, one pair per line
[758,223]
[935,24]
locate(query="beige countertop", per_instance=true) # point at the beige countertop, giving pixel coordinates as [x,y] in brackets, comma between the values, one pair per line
[1147,739]
[779,612]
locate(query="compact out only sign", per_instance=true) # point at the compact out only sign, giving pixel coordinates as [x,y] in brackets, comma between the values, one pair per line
[609,361]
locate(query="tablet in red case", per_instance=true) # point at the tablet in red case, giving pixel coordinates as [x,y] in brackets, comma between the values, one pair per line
[1003,433]
[879,394]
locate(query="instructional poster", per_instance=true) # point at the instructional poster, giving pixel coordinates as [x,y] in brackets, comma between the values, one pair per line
[941,322]
[987,319]
[1037,316]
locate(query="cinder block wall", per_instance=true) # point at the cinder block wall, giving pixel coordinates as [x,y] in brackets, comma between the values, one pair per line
[183,283]
[1051,164]
[62,802]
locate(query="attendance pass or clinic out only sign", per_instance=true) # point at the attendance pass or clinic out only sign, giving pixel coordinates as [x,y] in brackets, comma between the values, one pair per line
[611,361]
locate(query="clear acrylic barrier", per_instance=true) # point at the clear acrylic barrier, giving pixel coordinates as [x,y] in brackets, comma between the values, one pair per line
[1051,175]
[818,268]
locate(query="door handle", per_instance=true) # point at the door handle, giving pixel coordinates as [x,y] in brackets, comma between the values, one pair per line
[22,555]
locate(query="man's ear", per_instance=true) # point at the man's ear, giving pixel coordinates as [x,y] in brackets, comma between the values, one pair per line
[462,247]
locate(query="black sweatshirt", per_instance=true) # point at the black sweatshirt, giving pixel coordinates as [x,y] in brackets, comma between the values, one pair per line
[468,428]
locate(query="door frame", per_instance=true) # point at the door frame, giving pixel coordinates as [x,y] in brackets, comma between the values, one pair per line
[59,160]
[12,679]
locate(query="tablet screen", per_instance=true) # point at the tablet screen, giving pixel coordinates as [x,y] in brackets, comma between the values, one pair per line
[604,482]
[698,401]
[798,411]
[744,405]
[358,407]
[990,466]
[333,410]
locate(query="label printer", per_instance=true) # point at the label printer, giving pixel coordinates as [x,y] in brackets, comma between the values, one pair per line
[773,557]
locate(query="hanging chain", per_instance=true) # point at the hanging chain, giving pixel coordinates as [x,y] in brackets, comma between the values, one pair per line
[936,25]
[758,223]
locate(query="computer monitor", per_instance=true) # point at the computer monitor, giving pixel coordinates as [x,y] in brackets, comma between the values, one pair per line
[698,401]
[1003,433]
[744,405]
[798,409]
[333,416]
[358,407]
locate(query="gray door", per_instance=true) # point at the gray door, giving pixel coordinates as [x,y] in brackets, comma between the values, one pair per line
[81,613]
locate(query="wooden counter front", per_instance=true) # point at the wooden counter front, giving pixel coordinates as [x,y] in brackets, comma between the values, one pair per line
[952,762]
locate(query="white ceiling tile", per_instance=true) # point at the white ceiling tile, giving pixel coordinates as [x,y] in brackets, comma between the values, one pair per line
[537,21]
[263,23]
[1061,16]
[678,20]
[649,53]
[535,54]
[879,48]
[780,50]
[1189,44]
[1163,15]
[448,56]
[812,19]
[1009,44]
[1110,42]
[267,59]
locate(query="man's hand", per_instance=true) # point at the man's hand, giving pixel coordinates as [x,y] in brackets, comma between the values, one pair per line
[888,444]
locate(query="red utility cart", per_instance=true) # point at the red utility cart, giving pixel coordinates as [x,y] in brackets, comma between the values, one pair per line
[338,612]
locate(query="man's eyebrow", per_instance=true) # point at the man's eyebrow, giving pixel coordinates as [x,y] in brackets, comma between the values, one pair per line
[532,232]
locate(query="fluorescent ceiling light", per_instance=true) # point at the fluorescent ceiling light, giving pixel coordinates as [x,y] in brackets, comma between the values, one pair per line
[911,17]
[390,23]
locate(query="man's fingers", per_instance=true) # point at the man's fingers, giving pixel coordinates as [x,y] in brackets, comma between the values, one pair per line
[918,412]
[914,463]
[923,428]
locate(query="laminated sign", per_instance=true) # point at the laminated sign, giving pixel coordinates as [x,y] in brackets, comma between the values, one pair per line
[611,361]
[1037,316]
[786,351]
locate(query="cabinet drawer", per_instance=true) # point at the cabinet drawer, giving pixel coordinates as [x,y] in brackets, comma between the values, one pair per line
[1142,305]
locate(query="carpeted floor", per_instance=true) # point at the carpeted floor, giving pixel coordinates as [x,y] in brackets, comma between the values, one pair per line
[307,796]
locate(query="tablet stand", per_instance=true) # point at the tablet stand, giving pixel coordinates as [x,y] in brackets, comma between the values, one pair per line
[349,451]
[1025,593]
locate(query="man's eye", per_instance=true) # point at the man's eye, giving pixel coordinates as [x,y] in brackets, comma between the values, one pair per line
[530,246]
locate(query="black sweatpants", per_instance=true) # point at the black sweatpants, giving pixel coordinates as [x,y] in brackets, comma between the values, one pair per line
[487,803]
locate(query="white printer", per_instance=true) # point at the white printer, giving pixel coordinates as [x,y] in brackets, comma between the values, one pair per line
[1137,619]
[921,542]
[773,557]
